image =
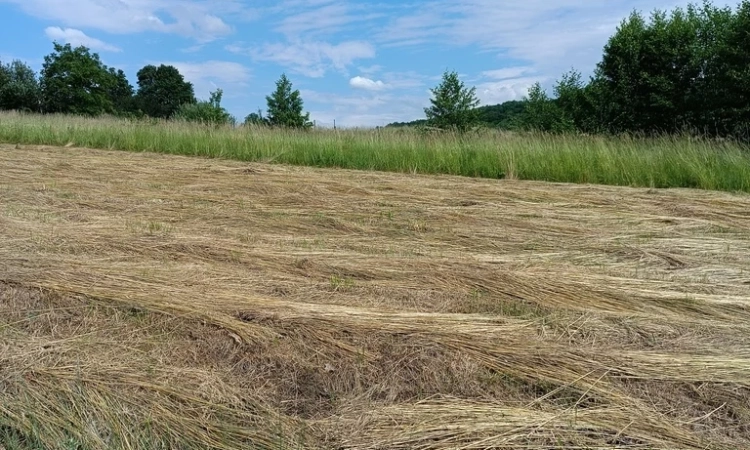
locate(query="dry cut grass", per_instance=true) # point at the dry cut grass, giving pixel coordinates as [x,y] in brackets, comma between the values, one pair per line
[151,302]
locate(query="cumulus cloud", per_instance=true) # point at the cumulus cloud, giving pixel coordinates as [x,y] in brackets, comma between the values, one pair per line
[77,37]
[312,59]
[366,84]
[493,92]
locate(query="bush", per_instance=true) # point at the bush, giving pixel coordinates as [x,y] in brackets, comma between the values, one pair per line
[208,112]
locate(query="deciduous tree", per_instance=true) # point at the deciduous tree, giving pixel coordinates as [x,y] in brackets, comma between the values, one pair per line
[542,113]
[452,105]
[19,87]
[256,119]
[121,93]
[208,112]
[162,90]
[74,80]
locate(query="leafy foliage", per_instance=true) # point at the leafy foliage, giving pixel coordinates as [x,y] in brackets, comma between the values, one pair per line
[670,72]
[285,106]
[121,93]
[75,81]
[505,115]
[19,87]
[687,69]
[726,71]
[162,91]
[207,112]
[542,114]
[578,103]
[413,123]
[452,105]
[256,119]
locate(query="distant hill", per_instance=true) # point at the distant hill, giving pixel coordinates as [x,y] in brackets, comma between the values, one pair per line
[503,115]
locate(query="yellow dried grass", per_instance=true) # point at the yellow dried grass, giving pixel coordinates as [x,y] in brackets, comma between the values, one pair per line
[288,307]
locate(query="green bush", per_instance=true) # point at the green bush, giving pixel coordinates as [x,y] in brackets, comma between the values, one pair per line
[208,112]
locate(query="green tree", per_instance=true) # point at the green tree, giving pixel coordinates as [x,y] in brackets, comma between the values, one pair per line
[737,49]
[543,113]
[649,70]
[581,104]
[162,90]
[256,119]
[19,87]
[74,80]
[208,112]
[121,93]
[621,75]
[285,106]
[504,115]
[452,105]
[724,81]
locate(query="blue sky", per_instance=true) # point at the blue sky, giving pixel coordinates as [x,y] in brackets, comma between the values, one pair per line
[359,63]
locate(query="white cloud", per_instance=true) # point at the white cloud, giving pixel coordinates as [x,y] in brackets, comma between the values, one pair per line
[189,18]
[77,37]
[328,19]
[406,80]
[315,19]
[193,48]
[370,70]
[365,110]
[206,76]
[493,92]
[312,59]
[417,28]
[508,83]
[545,36]
[508,72]
[367,84]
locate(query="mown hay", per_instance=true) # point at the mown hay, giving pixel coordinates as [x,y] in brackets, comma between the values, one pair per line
[169,302]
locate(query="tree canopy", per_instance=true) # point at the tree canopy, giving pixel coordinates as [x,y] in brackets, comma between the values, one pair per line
[669,72]
[255,118]
[285,106]
[162,91]
[19,87]
[206,111]
[452,104]
[75,81]
[677,71]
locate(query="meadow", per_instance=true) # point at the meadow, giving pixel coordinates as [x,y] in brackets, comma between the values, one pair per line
[152,301]
[663,162]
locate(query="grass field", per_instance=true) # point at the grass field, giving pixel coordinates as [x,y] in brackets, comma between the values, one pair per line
[150,301]
[623,161]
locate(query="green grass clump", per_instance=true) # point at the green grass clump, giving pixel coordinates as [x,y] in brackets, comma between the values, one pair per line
[664,162]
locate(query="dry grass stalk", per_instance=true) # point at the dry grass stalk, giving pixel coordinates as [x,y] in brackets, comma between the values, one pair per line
[157,302]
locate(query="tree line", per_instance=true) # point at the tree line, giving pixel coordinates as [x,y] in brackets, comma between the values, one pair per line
[73,80]
[683,71]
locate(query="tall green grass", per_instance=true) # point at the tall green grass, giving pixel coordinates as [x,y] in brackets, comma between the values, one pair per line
[647,162]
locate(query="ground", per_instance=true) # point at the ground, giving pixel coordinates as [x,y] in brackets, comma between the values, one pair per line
[150,301]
